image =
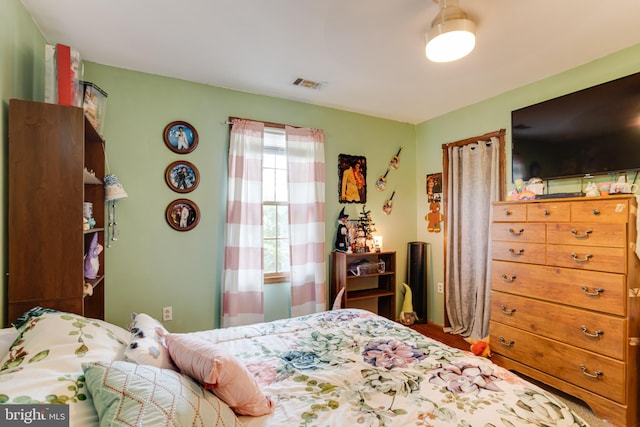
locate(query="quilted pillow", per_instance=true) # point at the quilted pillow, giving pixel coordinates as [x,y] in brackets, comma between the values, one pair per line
[220,371]
[128,394]
[44,365]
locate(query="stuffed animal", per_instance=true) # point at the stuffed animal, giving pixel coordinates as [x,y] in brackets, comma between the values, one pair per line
[147,344]
[407,316]
[480,347]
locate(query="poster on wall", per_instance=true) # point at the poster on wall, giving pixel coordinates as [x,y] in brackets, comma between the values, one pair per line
[434,187]
[352,179]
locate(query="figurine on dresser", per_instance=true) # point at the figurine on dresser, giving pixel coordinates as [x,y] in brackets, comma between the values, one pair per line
[92,262]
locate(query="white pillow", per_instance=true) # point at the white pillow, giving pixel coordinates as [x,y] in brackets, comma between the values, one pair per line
[45,364]
[146,343]
[7,337]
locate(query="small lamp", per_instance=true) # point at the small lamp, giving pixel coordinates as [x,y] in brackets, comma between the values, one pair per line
[452,35]
[377,243]
[113,191]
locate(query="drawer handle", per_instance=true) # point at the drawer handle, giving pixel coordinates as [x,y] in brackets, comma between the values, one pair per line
[596,374]
[518,253]
[595,335]
[508,279]
[577,235]
[546,212]
[596,212]
[507,312]
[516,233]
[596,292]
[507,212]
[581,260]
[504,342]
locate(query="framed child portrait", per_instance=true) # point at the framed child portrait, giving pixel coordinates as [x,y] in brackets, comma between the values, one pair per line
[180,137]
[182,177]
[352,179]
[182,214]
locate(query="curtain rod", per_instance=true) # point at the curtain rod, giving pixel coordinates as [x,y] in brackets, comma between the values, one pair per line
[269,124]
[485,137]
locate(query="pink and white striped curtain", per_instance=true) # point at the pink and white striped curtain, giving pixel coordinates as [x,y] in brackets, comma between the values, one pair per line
[242,280]
[306,177]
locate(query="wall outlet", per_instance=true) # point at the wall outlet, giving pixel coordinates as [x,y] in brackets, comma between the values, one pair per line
[440,287]
[167,314]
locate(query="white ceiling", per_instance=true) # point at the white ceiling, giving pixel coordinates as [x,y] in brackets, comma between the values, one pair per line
[368,54]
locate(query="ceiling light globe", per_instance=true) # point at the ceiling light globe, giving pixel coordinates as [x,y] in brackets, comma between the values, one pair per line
[451,40]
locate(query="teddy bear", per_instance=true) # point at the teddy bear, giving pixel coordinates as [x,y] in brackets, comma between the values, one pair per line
[147,343]
[434,217]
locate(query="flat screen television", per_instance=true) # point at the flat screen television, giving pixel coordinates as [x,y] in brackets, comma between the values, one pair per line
[593,131]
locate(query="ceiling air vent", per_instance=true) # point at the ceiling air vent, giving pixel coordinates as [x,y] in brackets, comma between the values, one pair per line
[306,83]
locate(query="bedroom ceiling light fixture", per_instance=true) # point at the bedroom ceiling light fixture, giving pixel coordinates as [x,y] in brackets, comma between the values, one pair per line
[452,35]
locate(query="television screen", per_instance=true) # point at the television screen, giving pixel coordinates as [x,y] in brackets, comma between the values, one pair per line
[593,131]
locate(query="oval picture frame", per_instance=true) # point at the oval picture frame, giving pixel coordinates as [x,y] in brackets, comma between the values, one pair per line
[180,137]
[182,177]
[182,214]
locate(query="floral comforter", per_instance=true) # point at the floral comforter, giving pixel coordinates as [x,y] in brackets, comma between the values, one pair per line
[353,368]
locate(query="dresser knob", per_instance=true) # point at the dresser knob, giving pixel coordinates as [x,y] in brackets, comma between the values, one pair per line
[507,312]
[594,335]
[508,279]
[546,212]
[516,253]
[516,233]
[587,374]
[581,260]
[596,212]
[507,212]
[506,343]
[596,292]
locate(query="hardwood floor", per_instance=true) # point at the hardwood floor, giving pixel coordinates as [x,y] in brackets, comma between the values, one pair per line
[433,330]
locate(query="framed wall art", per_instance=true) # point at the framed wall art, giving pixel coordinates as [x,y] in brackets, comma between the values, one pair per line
[182,177]
[352,179]
[180,137]
[182,214]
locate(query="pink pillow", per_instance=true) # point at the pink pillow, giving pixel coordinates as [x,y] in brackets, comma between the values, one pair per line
[219,371]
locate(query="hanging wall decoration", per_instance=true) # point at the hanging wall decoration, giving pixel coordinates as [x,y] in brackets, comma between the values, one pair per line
[352,179]
[434,198]
[180,137]
[182,214]
[182,177]
[382,181]
[395,160]
[388,205]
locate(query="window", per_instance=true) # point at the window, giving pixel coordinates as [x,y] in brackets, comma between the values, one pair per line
[275,207]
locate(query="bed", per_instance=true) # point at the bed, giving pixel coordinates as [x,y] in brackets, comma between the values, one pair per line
[344,367]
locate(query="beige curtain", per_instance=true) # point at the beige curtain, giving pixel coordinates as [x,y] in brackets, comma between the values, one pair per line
[474,178]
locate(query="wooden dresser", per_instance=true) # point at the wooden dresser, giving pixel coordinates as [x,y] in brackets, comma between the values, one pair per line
[565,298]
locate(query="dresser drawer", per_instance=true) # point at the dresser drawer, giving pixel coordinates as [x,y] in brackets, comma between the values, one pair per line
[549,211]
[533,253]
[518,232]
[588,234]
[601,210]
[585,369]
[596,332]
[593,290]
[587,257]
[509,212]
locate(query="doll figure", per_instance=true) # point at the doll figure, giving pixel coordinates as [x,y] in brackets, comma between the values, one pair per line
[341,243]
[91,262]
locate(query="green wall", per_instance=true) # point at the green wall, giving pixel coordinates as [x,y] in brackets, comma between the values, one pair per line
[494,114]
[151,265]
